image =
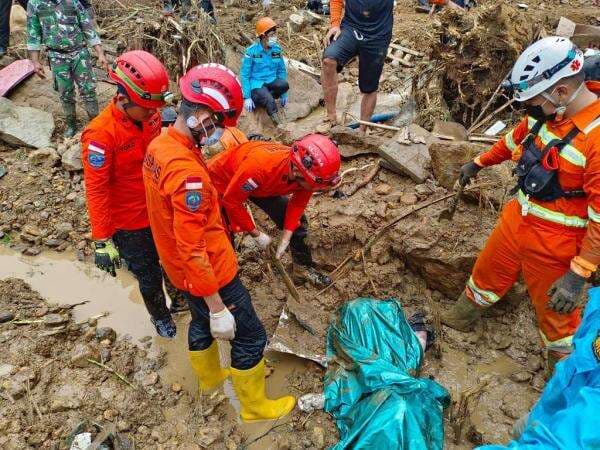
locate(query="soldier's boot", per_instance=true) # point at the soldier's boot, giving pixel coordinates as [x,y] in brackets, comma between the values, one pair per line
[91,108]
[70,119]
[463,314]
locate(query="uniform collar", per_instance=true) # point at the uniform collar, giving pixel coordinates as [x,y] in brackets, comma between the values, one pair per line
[590,113]
[181,138]
[120,116]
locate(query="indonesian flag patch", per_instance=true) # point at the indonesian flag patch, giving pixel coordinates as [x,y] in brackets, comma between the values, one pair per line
[96,154]
[249,185]
[193,196]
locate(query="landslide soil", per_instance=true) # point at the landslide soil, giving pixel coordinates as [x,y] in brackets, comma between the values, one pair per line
[46,393]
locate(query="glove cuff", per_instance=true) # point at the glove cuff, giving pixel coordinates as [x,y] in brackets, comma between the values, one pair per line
[221,313]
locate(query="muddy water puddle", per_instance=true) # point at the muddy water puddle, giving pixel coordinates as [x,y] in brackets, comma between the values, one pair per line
[62,279]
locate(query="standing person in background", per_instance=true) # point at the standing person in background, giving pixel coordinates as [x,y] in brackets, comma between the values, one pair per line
[185,6]
[113,147]
[65,28]
[5,7]
[263,73]
[364,30]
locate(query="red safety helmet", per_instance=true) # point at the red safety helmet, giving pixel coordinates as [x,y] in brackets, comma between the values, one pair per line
[143,77]
[318,159]
[216,87]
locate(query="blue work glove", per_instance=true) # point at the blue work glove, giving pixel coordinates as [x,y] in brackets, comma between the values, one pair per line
[566,293]
[249,105]
[106,257]
[283,101]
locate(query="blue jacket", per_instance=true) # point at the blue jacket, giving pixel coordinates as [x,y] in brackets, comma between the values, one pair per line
[566,415]
[260,66]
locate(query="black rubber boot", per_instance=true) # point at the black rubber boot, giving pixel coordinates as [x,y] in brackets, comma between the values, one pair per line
[70,120]
[91,108]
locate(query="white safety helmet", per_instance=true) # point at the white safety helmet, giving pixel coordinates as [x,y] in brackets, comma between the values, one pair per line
[542,65]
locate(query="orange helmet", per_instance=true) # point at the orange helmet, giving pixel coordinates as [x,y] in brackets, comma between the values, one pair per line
[264,25]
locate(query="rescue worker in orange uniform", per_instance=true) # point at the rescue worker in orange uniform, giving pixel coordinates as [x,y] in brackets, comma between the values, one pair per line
[113,147]
[266,173]
[551,232]
[194,245]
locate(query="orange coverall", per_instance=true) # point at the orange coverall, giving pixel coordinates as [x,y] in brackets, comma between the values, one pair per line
[112,153]
[185,216]
[256,169]
[537,238]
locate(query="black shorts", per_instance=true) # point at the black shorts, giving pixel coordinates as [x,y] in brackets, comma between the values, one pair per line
[371,56]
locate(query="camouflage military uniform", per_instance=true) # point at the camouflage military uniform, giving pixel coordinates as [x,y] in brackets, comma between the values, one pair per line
[65,28]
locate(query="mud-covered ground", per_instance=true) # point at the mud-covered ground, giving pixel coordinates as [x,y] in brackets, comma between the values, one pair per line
[49,390]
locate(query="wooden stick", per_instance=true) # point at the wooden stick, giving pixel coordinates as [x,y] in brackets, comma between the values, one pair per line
[489,116]
[373,124]
[489,102]
[286,278]
[401,61]
[113,371]
[489,139]
[366,180]
[410,51]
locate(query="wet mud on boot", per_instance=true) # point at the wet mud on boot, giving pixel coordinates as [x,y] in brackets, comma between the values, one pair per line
[463,315]
[91,108]
[302,274]
[165,327]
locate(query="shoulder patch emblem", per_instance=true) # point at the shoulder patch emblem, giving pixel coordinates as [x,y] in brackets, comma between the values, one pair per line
[96,155]
[596,347]
[193,196]
[249,185]
[193,183]
[276,54]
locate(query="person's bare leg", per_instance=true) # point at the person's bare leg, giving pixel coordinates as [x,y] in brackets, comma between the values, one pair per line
[330,87]
[367,106]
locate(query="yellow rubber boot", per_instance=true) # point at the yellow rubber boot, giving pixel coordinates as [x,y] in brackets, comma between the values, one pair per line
[207,365]
[249,386]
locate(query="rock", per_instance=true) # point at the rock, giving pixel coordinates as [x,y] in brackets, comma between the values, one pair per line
[6,369]
[15,388]
[32,251]
[208,435]
[71,157]
[411,159]
[450,129]
[521,377]
[63,229]
[6,316]
[81,353]
[52,242]
[160,434]
[447,158]
[143,430]
[71,196]
[408,199]
[64,403]
[176,387]
[109,415]
[150,379]
[423,190]
[318,437]
[55,319]
[352,143]
[123,425]
[279,294]
[32,230]
[297,22]
[103,333]
[46,157]
[25,126]
[534,363]
[383,189]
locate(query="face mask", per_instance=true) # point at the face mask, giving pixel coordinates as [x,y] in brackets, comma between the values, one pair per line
[537,112]
[213,138]
[273,40]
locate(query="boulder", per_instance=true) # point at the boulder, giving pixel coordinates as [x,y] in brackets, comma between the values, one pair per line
[46,157]
[25,126]
[70,154]
[407,157]
[351,143]
[447,157]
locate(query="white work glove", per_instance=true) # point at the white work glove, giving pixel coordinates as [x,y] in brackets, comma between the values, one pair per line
[222,325]
[262,240]
[249,105]
[283,245]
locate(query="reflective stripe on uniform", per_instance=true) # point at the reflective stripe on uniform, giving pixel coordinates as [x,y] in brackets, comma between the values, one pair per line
[509,141]
[552,216]
[482,297]
[564,344]
[568,152]
[591,126]
[593,215]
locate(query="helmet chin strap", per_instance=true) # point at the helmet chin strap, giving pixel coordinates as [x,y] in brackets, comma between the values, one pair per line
[562,108]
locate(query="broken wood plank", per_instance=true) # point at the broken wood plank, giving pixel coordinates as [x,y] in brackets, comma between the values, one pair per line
[400,61]
[295,64]
[489,139]
[407,50]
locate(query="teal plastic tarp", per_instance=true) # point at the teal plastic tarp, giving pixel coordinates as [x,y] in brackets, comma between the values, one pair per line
[370,387]
[567,415]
